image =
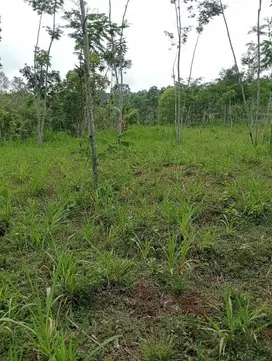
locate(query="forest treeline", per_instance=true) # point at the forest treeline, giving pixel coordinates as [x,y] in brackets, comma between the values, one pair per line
[39,100]
[219,102]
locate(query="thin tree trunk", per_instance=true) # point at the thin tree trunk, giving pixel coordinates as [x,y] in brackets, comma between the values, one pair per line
[267,116]
[82,112]
[204,115]
[111,101]
[176,98]
[176,115]
[270,141]
[187,120]
[112,49]
[178,89]
[110,7]
[89,100]
[258,74]
[238,72]
[225,114]
[47,69]
[252,112]
[121,94]
[116,76]
[37,90]
[230,114]
[209,112]
[193,59]
[188,115]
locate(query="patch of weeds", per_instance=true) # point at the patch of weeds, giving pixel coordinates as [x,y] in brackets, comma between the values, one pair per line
[241,324]
[174,271]
[15,354]
[178,284]
[181,213]
[195,192]
[8,292]
[230,221]
[22,172]
[110,270]
[43,327]
[36,229]
[176,255]
[144,247]
[5,211]
[57,214]
[257,200]
[88,231]
[252,198]
[65,350]
[31,232]
[171,254]
[205,238]
[37,185]
[65,272]
[4,295]
[158,350]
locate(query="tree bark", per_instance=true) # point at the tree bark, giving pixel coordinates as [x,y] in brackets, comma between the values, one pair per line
[121,94]
[111,83]
[267,116]
[258,98]
[47,69]
[230,114]
[270,141]
[178,93]
[37,90]
[89,100]
[193,59]
[176,101]
[225,114]
[238,72]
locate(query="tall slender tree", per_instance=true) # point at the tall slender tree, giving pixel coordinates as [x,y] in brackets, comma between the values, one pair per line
[49,7]
[258,97]
[250,59]
[55,34]
[117,49]
[4,82]
[204,11]
[193,58]
[182,36]
[100,31]
[0,39]
[178,84]
[122,66]
[240,78]
[89,99]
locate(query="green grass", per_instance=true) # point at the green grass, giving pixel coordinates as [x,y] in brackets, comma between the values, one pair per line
[169,259]
[158,350]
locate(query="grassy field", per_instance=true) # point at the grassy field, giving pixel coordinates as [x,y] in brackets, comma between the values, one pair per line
[169,259]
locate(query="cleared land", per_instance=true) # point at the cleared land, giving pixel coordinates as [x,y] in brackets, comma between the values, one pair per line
[169,259]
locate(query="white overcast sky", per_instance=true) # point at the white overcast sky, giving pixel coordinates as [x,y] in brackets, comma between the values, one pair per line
[148,46]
